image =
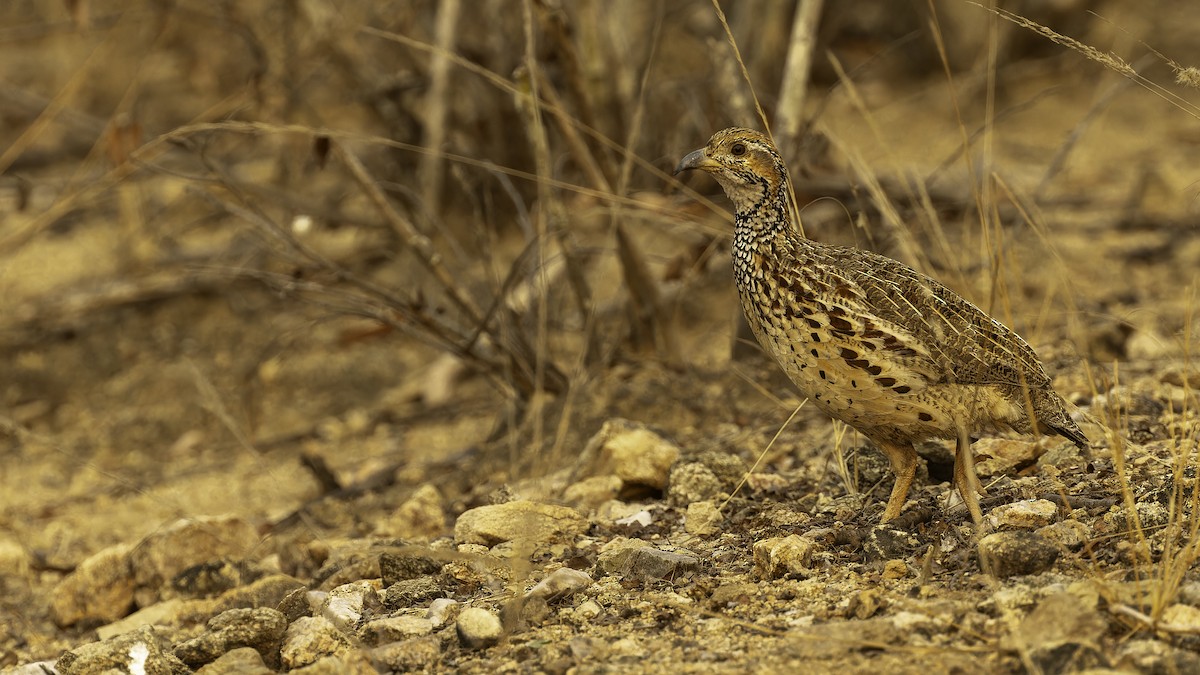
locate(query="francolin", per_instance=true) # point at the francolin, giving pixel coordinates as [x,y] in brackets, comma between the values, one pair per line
[869,340]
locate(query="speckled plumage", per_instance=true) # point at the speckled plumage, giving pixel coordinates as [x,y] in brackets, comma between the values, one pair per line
[869,340]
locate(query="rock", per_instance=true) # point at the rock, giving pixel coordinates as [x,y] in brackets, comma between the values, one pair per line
[1183,619]
[394,629]
[442,610]
[895,569]
[101,588]
[143,650]
[637,455]
[1157,658]
[589,493]
[885,543]
[999,456]
[309,639]
[295,604]
[779,557]
[703,519]
[636,558]
[522,521]
[692,482]
[168,613]
[864,604]
[344,604]
[260,629]
[240,661]
[1023,515]
[1008,554]
[414,654]
[395,567]
[411,592]
[561,583]
[478,628]
[351,663]
[422,517]
[266,592]
[1069,534]
[587,610]
[14,559]
[1060,635]
[158,558]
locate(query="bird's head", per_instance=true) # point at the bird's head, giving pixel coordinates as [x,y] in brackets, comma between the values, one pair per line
[744,162]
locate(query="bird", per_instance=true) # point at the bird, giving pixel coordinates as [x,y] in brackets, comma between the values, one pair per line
[889,351]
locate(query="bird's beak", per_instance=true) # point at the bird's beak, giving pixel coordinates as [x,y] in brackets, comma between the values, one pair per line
[695,160]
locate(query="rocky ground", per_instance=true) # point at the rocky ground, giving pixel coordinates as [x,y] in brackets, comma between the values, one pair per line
[208,470]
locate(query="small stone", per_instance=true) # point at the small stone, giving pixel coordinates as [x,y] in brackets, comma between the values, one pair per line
[158,558]
[999,456]
[589,493]
[522,521]
[268,591]
[646,562]
[394,629]
[478,628]
[241,661]
[14,559]
[692,482]
[1154,656]
[886,543]
[640,457]
[143,650]
[703,519]
[1008,554]
[168,613]
[101,588]
[412,592]
[413,654]
[395,567]
[561,583]
[1061,631]
[895,569]
[356,662]
[295,604]
[344,604]
[1023,515]
[1183,619]
[422,517]
[441,610]
[865,603]
[1069,534]
[588,610]
[309,639]
[259,629]
[780,557]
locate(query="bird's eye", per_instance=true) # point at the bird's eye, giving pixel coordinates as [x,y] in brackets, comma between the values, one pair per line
[738,149]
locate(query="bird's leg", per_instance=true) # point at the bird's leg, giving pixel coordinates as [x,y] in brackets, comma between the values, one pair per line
[965,479]
[903,458]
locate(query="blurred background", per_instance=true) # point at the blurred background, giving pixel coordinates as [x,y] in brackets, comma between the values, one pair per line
[252,253]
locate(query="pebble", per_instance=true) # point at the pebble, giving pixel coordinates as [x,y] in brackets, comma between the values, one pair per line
[524,521]
[780,557]
[1015,553]
[395,567]
[1023,515]
[188,542]
[240,661]
[591,492]
[1061,634]
[260,629]
[441,610]
[1069,534]
[998,456]
[422,517]
[561,583]
[344,605]
[703,519]
[394,629]
[412,592]
[351,663]
[1182,618]
[634,453]
[478,628]
[1154,656]
[643,561]
[413,654]
[144,650]
[309,639]
[101,588]
[692,482]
